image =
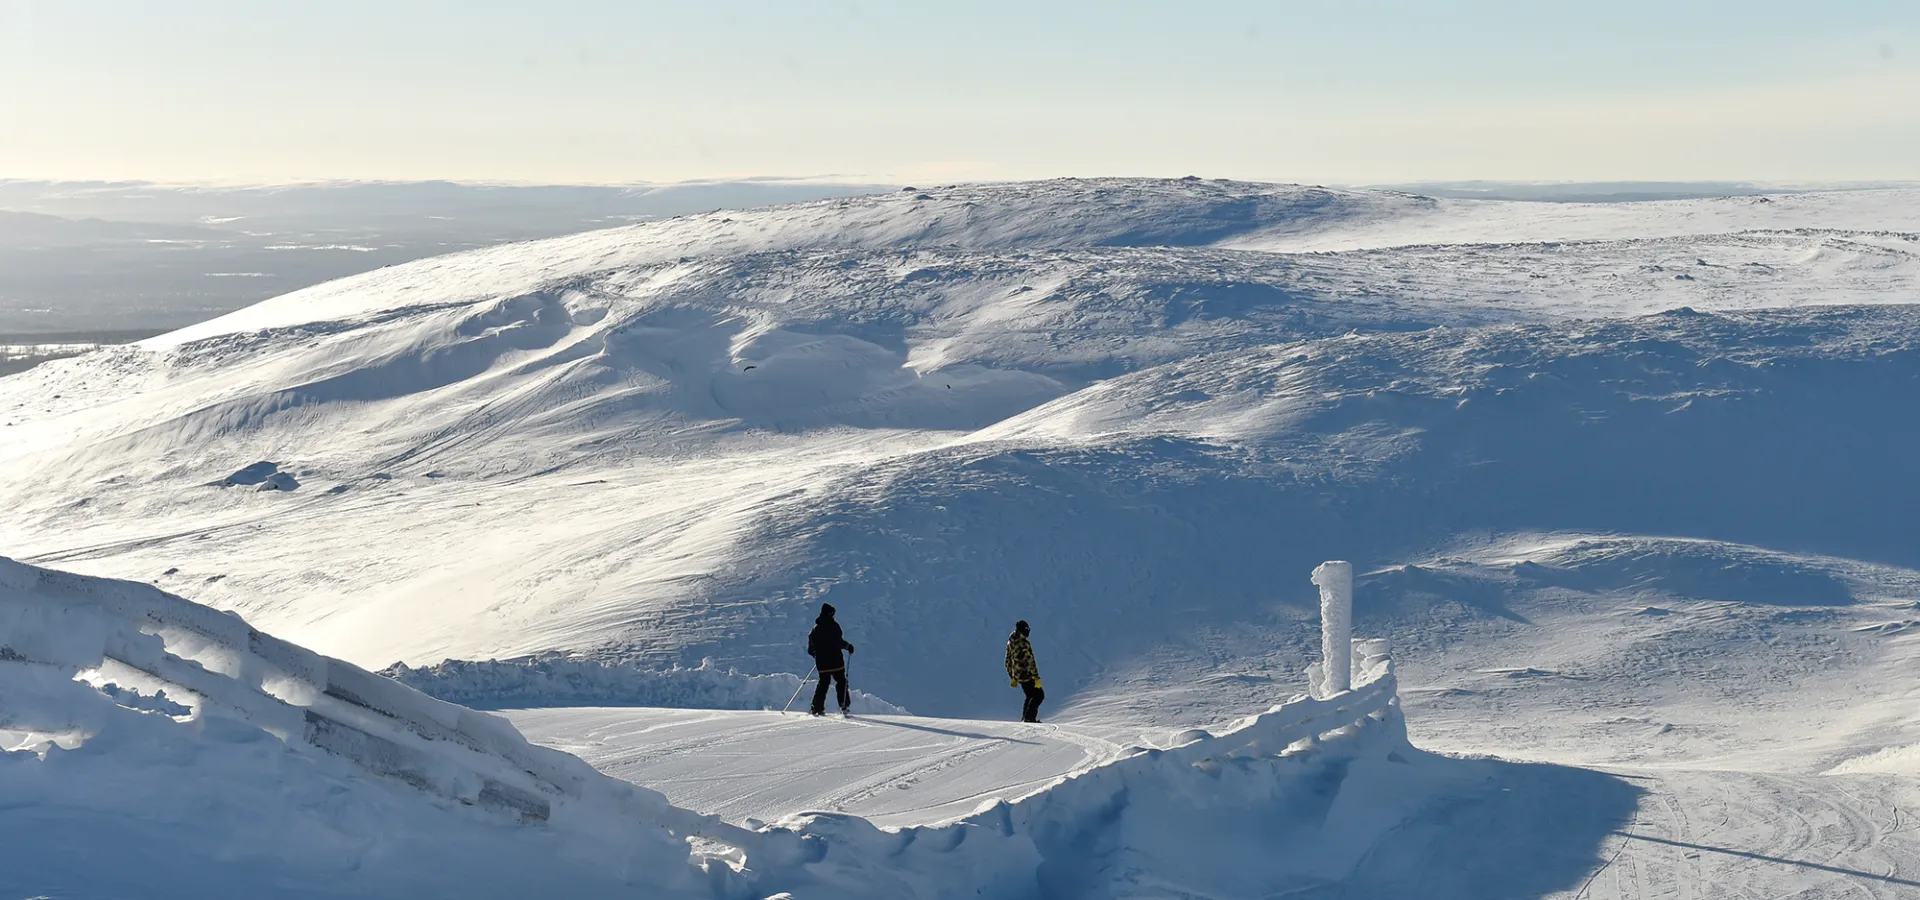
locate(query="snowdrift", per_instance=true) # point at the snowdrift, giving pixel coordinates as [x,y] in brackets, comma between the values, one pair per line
[1353,818]
[557,680]
[285,768]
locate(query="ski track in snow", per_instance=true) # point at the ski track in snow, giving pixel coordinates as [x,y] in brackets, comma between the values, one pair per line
[891,770]
[1711,835]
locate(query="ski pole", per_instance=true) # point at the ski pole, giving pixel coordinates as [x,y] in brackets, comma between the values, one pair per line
[796,691]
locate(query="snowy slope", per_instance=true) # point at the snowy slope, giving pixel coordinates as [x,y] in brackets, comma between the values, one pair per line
[1166,511]
[1891,214]
[1052,215]
[1628,485]
[152,747]
[1080,402]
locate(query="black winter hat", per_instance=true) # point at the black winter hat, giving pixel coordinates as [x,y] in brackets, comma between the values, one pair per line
[826,609]
[1020,626]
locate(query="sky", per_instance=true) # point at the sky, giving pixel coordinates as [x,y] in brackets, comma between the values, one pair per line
[615,91]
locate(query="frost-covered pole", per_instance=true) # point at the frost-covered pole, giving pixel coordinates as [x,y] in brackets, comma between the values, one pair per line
[1335,579]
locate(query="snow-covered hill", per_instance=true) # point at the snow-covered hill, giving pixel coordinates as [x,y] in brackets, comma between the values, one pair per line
[1628,485]
[1126,410]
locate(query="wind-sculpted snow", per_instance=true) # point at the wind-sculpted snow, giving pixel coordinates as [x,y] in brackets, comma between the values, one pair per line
[1092,404]
[1176,501]
[310,775]
[1893,212]
[555,680]
[930,340]
[1626,484]
[1060,214]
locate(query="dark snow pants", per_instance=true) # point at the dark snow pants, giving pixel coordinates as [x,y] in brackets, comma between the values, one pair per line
[1031,711]
[840,693]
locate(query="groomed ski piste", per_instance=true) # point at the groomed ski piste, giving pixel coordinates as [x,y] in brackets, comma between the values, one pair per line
[1627,487]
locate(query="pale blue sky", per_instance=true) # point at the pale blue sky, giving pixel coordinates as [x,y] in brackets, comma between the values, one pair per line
[605,91]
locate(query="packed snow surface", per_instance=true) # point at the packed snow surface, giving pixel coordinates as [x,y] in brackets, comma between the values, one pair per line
[1629,486]
[555,680]
[890,770]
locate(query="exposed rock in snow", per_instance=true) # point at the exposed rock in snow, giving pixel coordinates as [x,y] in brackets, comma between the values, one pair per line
[257,473]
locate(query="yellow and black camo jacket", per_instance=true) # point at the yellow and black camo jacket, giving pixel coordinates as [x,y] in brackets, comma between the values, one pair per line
[1020,664]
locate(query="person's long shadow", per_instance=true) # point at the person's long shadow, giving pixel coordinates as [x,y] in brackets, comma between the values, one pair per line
[1856,873]
[896,723]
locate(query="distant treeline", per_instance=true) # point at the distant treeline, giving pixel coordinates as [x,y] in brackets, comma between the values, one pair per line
[78,337]
[12,361]
[20,352]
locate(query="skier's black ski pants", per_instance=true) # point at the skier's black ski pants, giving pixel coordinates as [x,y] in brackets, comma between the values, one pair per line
[840,692]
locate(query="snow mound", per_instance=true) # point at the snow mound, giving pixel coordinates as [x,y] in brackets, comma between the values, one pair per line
[555,679]
[1705,570]
[1696,571]
[312,777]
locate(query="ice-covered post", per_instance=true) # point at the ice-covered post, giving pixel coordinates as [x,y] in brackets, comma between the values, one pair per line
[1372,659]
[1335,580]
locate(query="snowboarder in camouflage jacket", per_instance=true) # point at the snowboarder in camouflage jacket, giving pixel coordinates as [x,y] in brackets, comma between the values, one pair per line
[1023,672]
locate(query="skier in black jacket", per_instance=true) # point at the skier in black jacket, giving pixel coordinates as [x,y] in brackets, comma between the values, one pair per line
[824,644]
